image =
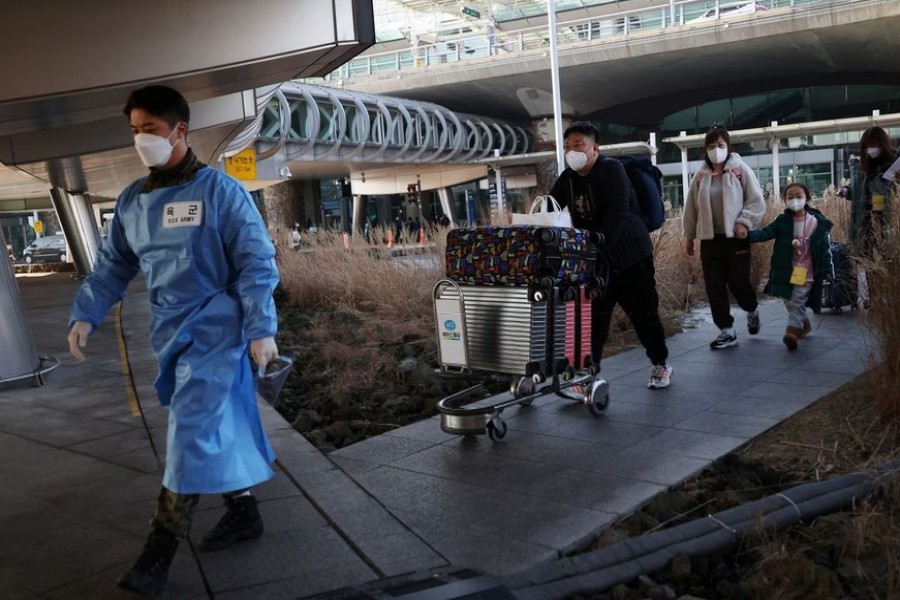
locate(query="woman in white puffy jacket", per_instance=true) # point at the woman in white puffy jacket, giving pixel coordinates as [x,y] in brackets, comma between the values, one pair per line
[724,202]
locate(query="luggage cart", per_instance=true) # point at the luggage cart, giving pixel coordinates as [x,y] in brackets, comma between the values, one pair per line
[514,332]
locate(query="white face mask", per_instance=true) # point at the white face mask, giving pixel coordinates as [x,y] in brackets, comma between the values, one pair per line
[154,150]
[873,152]
[717,155]
[796,204]
[576,160]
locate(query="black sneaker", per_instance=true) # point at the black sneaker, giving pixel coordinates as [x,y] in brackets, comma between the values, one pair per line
[149,574]
[241,522]
[725,340]
[753,322]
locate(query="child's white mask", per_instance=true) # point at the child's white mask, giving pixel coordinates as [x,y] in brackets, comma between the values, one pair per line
[796,204]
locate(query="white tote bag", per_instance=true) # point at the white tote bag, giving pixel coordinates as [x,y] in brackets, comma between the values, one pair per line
[540,214]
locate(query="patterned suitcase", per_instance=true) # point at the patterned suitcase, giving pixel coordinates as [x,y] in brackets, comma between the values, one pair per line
[578,328]
[520,255]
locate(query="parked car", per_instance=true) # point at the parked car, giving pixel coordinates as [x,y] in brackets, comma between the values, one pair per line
[730,9]
[50,248]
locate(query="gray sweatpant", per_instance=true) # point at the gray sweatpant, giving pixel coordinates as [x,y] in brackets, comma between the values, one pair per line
[796,306]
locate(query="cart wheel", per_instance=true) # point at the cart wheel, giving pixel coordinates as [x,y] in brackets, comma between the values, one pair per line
[522,386]
[598,401]
[496,429]
[568,374]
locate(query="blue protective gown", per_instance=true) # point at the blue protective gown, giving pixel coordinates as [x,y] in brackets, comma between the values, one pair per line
[209,265]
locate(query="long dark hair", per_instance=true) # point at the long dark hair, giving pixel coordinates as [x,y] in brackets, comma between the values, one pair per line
[712,136]
[871,137]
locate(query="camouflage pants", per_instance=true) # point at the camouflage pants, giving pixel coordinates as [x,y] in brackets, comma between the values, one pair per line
[175,512]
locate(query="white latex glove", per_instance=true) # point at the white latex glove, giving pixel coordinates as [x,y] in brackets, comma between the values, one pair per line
[263,352]
[78,337]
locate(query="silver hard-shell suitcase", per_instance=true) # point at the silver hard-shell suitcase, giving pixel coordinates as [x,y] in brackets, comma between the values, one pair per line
[501,329]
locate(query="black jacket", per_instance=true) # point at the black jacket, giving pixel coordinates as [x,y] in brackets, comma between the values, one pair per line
[613,211]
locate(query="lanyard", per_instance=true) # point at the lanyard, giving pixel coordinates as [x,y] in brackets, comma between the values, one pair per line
[803,248]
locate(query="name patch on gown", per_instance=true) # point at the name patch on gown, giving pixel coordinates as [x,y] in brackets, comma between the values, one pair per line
[182,214]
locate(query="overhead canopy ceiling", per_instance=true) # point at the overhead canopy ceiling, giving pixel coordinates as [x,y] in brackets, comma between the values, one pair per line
[64,87]
[640,78]
[396,19]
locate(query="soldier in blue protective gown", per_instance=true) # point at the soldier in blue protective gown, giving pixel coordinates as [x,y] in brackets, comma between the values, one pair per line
[208,261]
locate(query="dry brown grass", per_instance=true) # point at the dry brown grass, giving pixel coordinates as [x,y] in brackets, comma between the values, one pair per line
[884,289]
[363,307]
[678,276]
[884,314]
[392,300]
[361,277]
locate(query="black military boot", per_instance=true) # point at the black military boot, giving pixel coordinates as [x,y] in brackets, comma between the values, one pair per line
[148,575]
[241,522]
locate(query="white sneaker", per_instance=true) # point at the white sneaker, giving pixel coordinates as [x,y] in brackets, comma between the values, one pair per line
[726,339]
[660,377]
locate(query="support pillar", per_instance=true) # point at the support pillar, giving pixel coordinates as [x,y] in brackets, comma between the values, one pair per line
[75,213]
[359,206]
[554,80]
[384,210]
[344,213]
[501,219]
[445,196]
[20,356]
[77,220]
[776,166]
[685,175]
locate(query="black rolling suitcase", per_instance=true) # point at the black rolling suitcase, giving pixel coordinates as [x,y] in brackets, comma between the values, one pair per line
[841,292]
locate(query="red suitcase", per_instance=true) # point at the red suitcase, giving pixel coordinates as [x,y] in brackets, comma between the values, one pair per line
[578,328]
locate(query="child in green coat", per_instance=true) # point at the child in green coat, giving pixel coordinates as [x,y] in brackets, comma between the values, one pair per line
[801,259]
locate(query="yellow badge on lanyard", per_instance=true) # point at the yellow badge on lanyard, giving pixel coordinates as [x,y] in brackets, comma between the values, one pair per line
[878,202]
[798,276]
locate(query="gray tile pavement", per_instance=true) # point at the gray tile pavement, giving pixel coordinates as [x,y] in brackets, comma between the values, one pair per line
[80,475]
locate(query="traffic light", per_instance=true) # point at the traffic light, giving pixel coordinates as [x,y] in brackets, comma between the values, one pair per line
[412,193]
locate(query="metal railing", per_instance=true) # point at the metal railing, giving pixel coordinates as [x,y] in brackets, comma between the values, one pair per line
[319,123]
[609,26]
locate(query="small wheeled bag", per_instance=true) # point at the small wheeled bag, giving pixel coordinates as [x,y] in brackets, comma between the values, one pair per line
[521,255]
[842,291]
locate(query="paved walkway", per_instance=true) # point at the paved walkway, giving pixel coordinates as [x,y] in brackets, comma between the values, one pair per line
[80,473]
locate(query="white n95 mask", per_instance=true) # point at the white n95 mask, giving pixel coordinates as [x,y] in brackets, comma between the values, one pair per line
[154,150]
[717,155]
[796,204]
[576,160]
[873,152]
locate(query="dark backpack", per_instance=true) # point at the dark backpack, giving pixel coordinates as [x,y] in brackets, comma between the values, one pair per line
[646,180]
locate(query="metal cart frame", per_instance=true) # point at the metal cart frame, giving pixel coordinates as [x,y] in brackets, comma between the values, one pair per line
[458,417]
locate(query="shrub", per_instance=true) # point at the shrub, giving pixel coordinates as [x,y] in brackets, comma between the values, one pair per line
[884,314]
